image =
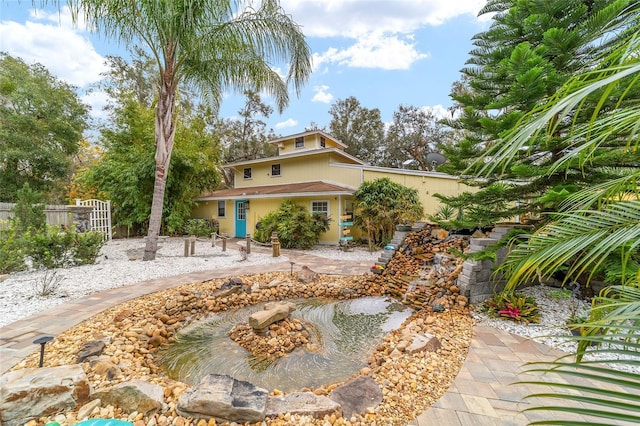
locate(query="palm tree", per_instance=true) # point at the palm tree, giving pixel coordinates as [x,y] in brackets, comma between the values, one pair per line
[210,45]
[597,226]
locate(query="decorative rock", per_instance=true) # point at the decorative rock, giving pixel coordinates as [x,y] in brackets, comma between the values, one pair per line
[273,312]
[306,275]
[224,398]
[357,395]
[36,392]
[106,368]
[229,287]
[136,395]
[302,403]
[424,342]
[89,349]
[86,410]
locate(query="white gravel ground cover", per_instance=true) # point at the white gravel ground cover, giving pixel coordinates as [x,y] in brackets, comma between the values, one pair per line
[119,264]
[555,310]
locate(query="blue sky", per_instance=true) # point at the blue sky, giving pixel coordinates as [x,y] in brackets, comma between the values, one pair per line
[384,53]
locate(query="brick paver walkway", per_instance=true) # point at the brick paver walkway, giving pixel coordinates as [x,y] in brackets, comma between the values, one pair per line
[484,392]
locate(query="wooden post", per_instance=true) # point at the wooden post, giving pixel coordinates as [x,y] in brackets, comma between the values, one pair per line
[224,244]
[186,247]
[193,245]
[248,243]
[214,239]
[275,244]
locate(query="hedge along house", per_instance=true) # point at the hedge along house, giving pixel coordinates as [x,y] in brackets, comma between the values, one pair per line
[313,170]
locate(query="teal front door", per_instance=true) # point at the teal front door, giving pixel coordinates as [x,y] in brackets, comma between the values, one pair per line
[241,218]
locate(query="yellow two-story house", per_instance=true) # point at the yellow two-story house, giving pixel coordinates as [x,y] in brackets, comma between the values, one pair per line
[314,170]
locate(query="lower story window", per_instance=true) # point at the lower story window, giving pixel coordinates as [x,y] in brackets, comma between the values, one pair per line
[320,207]
[222,209]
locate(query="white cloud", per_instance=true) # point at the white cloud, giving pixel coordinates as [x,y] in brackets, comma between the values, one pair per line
[58,46]
[97,100]
[289,122]
[321,95]
[350,18]
[374,50]
[438,111]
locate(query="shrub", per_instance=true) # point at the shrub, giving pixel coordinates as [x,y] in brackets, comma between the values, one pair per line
[50,249]
[296,228]
[29,211]
[56,248]
[11,249]
[199,227]
[86,247]
[512,306]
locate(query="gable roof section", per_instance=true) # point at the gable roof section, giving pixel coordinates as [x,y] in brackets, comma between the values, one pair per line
[309,133]
[318,188]
[336,151]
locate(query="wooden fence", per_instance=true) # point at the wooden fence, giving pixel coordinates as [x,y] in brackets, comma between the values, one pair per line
[85,215]
[57,214]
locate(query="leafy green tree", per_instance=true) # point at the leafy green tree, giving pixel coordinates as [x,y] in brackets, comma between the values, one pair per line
[41,125]
[296,227]
[414,133]
[530,50]
[381,204]
[210,45]
[360,128]
[125,172]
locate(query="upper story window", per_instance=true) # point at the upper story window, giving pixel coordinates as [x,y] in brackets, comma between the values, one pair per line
[321,207]
[323,142]
[300,142]
[247,172]
[222,209]
[275,170]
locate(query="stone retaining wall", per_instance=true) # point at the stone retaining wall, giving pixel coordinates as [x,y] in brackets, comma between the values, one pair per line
[478,280]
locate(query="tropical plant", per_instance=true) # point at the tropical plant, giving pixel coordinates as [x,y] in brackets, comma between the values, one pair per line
[595,225]
[512,306]
[381,204]
[212,45]
[296,228]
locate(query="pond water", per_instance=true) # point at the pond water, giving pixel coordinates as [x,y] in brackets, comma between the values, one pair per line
[346,332]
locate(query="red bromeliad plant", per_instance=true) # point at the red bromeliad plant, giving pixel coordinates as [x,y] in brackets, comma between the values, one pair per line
[512,306]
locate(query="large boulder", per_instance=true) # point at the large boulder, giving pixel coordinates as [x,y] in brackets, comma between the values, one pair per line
[36,392]
[306,275]
[224,398]
[135,395]
[357,395]
[302,403]
[273,312]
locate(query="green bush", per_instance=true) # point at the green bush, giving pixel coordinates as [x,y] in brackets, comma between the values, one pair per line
[29,211]
[199,227]
[296,228]
[56,248]
[11,249]
[87,246]
[51,248]
[512,306]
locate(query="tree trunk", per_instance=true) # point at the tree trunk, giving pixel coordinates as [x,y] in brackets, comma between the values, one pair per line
[165,132]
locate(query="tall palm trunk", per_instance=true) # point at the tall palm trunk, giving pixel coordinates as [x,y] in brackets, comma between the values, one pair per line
[165,130]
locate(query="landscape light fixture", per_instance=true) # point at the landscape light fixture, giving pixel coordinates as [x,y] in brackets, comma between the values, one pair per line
[42,340]
[292,263]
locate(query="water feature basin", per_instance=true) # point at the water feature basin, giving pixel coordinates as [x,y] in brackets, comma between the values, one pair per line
[343,334]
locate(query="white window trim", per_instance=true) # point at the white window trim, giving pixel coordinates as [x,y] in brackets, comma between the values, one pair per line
[320,201]
[250,171]
[295,143]
[276,164]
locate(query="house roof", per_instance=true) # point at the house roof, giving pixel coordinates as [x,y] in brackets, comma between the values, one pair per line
[277,191]
[310,132]
[297,154]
